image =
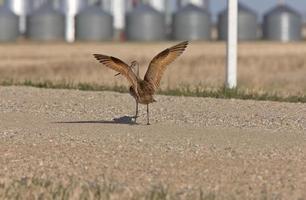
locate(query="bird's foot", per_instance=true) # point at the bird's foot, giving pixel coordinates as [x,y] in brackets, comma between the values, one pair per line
[148,123]
[135,118]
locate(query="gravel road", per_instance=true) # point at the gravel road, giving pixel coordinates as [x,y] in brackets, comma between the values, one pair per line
[227,149]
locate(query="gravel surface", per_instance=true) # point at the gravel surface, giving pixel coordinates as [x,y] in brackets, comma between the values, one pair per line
[226,149]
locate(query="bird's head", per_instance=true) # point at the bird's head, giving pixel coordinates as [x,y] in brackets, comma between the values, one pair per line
[134,66]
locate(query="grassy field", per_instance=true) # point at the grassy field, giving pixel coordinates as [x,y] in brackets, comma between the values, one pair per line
[264,67]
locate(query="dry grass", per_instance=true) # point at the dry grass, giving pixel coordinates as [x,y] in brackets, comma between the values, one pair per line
[263,67]
[75,188]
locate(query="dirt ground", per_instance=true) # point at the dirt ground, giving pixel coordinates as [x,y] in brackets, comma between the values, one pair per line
[196,148]
[262,66]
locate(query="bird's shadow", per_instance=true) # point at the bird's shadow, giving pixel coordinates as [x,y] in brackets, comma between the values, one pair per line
[130,120]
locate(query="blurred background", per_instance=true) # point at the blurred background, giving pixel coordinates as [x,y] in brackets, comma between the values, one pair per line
[148,20]
[52,40]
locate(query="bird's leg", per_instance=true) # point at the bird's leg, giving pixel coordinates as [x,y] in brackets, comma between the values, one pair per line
[148,121]
[136,115]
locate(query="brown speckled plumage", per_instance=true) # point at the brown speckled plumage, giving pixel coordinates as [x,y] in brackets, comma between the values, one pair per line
[143,90]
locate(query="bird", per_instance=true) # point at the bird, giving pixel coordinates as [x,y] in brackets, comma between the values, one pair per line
[143,89]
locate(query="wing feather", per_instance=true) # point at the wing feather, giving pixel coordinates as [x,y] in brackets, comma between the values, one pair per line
[119,66]
[161,61]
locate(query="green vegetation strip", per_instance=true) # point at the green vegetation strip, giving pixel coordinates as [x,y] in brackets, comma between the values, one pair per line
[222,93]
[74,188]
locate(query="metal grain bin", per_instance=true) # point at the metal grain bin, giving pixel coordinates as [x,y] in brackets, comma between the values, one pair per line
[145,24]
[46,24]
[94,24]
[9,25]
[191,23]
[22,8]
[71,8]
[247,24]
[282,24]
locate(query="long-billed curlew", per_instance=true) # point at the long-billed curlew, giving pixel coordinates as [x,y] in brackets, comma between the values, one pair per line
[143,90]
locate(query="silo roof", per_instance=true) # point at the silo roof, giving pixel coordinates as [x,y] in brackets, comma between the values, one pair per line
[282,9]
[46,9]
[6,11]
[192,8]
[145,8]
[94,10]
[242,8]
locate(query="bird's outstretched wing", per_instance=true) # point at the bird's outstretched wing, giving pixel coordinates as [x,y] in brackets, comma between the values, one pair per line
[161,61]
[119,66]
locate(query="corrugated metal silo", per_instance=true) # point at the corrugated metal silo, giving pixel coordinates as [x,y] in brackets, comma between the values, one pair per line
[118,9]
[9,25]
[158,4]
[283,24]
[22,8]
[191,23]
[71,8]
[46,24]
[247,24]
[94,24]
[145,24]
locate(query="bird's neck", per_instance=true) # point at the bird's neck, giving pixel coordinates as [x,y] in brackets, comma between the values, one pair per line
[137,71]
